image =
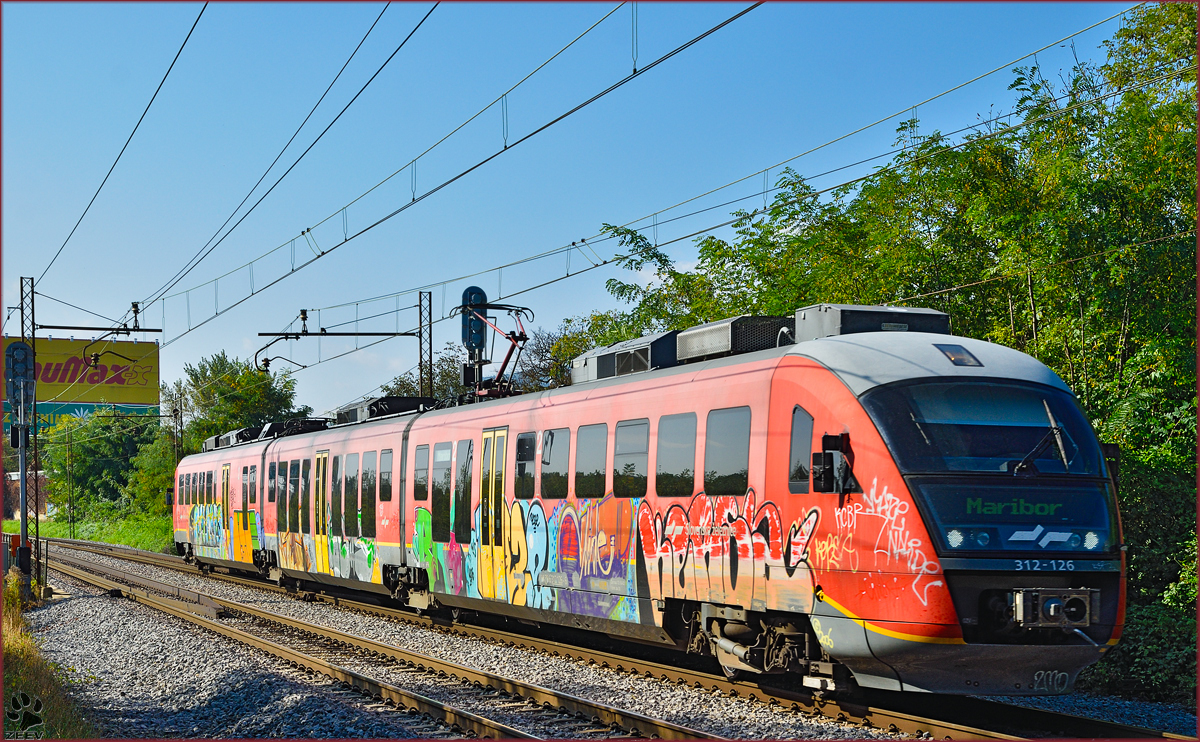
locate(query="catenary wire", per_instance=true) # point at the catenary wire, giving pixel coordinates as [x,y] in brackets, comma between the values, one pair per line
[470,169]
[215,245]
[603,237]
[426,151]
[73,306]
[189,265]
[127,141]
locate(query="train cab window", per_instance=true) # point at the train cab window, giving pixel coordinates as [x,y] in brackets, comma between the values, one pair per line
[631,453]
[245,488]
[350,504]
[367,501]
[526,448]
[253,484]
[281,501]
[305,478]
[421,473]
[802,437]
[675,459]
[440,484]
[293,490]
[591,457]
[271,482]
[385,475]
[556,448]
[335,499]
[727,452]
[462,492]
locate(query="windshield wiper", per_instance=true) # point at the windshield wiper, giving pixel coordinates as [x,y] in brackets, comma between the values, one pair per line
[1053,434]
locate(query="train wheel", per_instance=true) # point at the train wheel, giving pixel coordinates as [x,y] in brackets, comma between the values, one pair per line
[733,674]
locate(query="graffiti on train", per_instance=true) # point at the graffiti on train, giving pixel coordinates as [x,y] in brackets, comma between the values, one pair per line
[577,557]
[727,549]
[872,532]
[206,528]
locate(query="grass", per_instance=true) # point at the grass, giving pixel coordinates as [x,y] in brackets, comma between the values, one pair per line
[27,672]
[152,533]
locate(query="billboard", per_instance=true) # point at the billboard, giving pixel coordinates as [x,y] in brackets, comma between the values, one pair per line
[125,377]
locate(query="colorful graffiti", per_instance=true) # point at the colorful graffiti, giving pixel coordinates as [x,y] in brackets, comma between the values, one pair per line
[727,550]
[206,530]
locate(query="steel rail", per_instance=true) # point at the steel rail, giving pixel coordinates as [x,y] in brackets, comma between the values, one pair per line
[455,718]
[636,724]
[936,715]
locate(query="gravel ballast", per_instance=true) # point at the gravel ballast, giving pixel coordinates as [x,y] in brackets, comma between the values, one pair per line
[706,710]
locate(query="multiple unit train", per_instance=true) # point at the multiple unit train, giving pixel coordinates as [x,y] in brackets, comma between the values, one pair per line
[902,510]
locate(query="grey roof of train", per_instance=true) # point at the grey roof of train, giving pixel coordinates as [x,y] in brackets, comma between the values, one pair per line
[866,360]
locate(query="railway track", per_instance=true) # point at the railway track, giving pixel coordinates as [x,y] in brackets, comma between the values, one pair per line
[920,715]
[481,703]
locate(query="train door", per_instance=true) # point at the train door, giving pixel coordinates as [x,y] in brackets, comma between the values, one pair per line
[493,576]
[226,520]
[241,522]
[321,502]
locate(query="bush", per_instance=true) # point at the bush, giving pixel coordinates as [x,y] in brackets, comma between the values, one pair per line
[1155,659]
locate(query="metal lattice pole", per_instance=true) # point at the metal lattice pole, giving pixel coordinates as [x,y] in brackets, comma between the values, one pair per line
[425,310]
[31,462]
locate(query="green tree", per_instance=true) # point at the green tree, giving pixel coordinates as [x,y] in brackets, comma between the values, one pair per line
[221,394]
[90,460]
[447,377]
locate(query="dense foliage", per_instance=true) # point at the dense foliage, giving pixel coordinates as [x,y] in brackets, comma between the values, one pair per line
[1064,229]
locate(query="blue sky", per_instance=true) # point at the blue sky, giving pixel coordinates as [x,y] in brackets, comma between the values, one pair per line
[779,81]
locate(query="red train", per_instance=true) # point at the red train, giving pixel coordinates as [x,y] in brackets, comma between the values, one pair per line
[903,510]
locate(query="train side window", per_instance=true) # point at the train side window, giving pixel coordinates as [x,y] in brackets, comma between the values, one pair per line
[305,477]
[253,484]
[271,482]
[675,459]
[281,499]
[631,453]
[367,501]
[385,475]
[556,449]
[727,451]
[185,486]
[591,458]
[294,496]
[526,448]
[208,487]
[462,492]
[245,488]
[350,507]
[421,473]
[440,484]
[802,436]
[335,499]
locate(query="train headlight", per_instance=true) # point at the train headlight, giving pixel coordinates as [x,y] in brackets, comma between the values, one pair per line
[982,538]
[1091,540]
[1074,541]
[954,537]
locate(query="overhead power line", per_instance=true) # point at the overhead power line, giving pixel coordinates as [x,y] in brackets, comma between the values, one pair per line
[72,306]
[190,265]
[615,86]
[206,252]
[654,215]
[127,141]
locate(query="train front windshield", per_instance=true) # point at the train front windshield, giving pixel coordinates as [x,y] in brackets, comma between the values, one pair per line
[999,466]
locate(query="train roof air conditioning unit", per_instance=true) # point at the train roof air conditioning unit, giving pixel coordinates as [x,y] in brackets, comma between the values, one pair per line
[725,337]
[380,406]
[211,443]
[626,357]
[827,320]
